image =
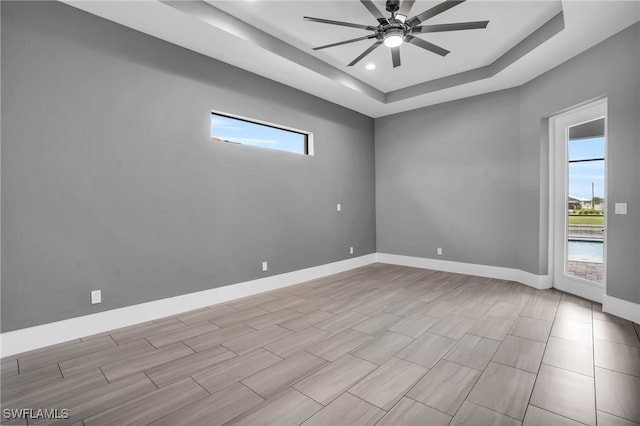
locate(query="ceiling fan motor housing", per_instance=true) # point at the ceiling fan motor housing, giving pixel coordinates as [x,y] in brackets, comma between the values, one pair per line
[393,5]
[394,30]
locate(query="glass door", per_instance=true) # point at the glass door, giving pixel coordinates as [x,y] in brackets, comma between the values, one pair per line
[579,208]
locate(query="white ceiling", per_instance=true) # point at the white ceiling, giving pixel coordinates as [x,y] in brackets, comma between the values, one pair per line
[269,37]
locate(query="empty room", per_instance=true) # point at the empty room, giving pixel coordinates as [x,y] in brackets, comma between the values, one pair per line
[318,212]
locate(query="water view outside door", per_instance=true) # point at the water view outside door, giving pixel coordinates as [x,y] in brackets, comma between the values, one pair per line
[586,202]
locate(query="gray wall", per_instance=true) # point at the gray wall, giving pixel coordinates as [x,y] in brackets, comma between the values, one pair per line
[110,181]
[447,176]
[471,176]
[610,69]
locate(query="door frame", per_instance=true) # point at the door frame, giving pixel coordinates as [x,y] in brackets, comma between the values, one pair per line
[558,175]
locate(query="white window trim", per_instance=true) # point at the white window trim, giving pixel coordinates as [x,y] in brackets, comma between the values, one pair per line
[310,147]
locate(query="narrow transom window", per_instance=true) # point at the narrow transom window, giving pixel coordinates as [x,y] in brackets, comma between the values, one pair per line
[244,131]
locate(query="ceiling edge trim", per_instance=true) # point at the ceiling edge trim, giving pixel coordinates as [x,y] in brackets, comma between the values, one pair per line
[236,27]
[541,35]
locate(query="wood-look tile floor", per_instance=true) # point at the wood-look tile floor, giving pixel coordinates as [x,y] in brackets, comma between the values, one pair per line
[382,344]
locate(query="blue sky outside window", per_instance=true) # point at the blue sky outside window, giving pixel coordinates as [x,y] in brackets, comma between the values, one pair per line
[583,173]
[235,130]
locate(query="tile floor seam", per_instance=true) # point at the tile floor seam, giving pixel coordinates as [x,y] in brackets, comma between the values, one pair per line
[291,385]
[491,409]
[105,376]
[254,392]
[484,337]
[546,345]
[114,340]
[232,351]
[614,371]
[155,384]
[577,372]
[510,366]
[618,416]
[557,414]
[468,393]
[466,366]
[365,401]
[149,342]
[637,330]
[427,405]
[361,346]
[308,396]
[360,358]
[189,347]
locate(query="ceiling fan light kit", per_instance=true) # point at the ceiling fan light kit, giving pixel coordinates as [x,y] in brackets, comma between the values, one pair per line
[393,37]
[395,30]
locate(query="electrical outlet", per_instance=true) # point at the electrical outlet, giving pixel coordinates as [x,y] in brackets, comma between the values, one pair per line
[621,208]
[439,251]
[350,250]
[264,266]
[96,297]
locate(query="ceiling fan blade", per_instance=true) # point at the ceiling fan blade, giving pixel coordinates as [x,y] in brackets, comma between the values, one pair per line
[365,53]
[345,42]
[451,27]
[405,8]
[395,56]
[435,10]
[426,45]
[374,11]
[344,24]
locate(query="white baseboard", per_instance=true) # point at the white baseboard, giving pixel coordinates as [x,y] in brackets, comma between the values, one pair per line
[621,308]
[26,339]
[592,292]
[527,278]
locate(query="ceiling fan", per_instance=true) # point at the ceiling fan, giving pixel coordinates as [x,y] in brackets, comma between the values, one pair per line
[400,28]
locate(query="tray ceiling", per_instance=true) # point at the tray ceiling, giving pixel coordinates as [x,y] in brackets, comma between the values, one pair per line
[269,37]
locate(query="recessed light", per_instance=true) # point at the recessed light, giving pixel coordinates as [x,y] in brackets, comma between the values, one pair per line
[371,67]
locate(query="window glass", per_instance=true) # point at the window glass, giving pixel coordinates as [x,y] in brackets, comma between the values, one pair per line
[225,128]
[586,149]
